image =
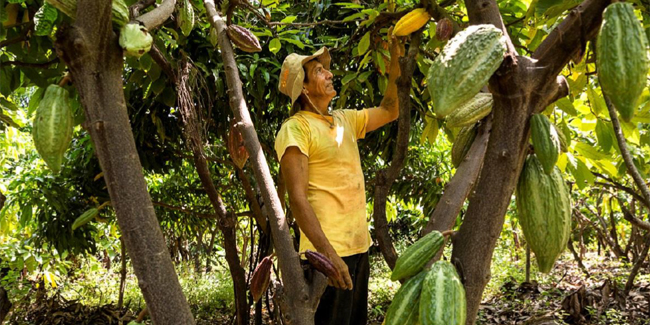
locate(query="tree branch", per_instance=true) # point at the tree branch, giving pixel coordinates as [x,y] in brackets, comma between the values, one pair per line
[185,210]
[32,65]
[140,5]
[631,218]
[570,36]
[316,23]
[158,16]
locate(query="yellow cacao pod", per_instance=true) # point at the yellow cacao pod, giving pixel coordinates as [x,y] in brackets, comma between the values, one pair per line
[411,22]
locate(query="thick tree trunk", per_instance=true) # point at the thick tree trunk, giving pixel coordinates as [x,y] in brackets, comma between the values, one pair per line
[91,51]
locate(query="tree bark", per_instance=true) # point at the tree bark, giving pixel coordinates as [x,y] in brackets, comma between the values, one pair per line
[91,51]
[521,86]
[297,297]
[385,177]
[637,265]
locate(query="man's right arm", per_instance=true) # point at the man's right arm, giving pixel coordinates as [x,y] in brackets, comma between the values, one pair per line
[295,171]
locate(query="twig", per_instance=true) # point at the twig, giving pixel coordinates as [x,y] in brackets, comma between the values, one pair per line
[158,16]
[185,210]
[631,218]
[32,65]
[252,9]
[322,22]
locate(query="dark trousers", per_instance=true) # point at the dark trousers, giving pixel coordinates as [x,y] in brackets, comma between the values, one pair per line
[347,307]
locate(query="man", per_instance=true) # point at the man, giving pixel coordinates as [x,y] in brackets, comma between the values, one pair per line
[320,163]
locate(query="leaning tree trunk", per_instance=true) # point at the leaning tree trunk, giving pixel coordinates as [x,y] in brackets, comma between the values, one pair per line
[522,86]
[91,51]
[297,297]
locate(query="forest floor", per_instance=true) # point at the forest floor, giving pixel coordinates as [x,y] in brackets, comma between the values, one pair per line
[565,296]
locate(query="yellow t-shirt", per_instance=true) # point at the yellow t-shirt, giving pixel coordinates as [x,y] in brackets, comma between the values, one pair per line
[336,185]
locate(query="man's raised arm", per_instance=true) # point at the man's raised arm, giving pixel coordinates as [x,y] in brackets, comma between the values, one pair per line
[388,109]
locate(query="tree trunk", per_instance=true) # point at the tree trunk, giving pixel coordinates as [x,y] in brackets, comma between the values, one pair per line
[91,51]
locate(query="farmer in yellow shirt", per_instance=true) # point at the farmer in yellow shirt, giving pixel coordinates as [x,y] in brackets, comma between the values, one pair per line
[320,163]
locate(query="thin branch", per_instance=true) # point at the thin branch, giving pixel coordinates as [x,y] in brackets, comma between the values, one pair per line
[158,16]
[185,210]
[140,5]
[32,64]
[317,23]
[252,9]
[631,218]
[627,157]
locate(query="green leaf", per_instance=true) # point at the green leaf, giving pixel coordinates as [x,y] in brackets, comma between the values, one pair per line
[349,77]
[604,135]
[364,44]
[44,20]
[565,105]
[8,105]
[364,76]
[275,45]
[430,132]
[596,101]
[289,19]
[35,100]
[8,120]
[590,152]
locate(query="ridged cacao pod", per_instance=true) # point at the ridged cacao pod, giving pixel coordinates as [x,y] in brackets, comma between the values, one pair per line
[621,58]
[90,214]
[544,210]
[444,29]
[411,22]
[135,39]
[442,301]
[471,112]
[52,130]
[416,256]
[261,278]
[243,38]
[322,264]
[236,148]
[462,144]
[185,16]
[464,66]
[404,309]
[69,8]
[545,141]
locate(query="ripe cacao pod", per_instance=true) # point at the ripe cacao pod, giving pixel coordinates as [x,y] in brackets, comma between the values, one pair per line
[236,148]
[442,301]
[416,256]
[465,65]
[52,129]
[135,39]
[69,8]
[243,38]
[404,310]
[261,278]
[411,22]
[621,58]
[544,210]
[545,141]
[462,144]
[90,214]
[185,17]
[471,112]
[444,29]
[322,264]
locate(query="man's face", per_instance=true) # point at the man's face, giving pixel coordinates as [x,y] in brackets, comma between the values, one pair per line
[319,80]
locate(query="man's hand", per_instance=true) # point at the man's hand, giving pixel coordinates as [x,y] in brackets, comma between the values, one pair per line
[396,49]
[344,281]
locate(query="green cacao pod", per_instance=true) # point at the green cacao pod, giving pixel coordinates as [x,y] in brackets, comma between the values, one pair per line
[462,144]
[544,210]
[69,8]
[545,141]
[85,218]
[135,39]
[471,112]
[416,256]
[404,309]
[243,38]
[442,301]
[465,65]
[621,58]
[52,130]
[185,17]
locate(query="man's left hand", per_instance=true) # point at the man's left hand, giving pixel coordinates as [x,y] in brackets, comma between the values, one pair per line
[396,49]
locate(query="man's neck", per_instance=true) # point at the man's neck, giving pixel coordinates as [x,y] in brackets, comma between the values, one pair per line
[317,105]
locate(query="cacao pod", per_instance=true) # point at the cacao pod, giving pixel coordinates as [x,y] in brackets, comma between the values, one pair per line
[135,39]
[462,144]
[444,29]
[464,66]
[52,129]
[471,112]
[411,22]
[243,38]
[621,58]
[236,148]
[322,264]
[545,141]
[261,278]
[404,310]
[544,210]
[442,301]
[416,256]
[69,8]
[185,17]
[85,218]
